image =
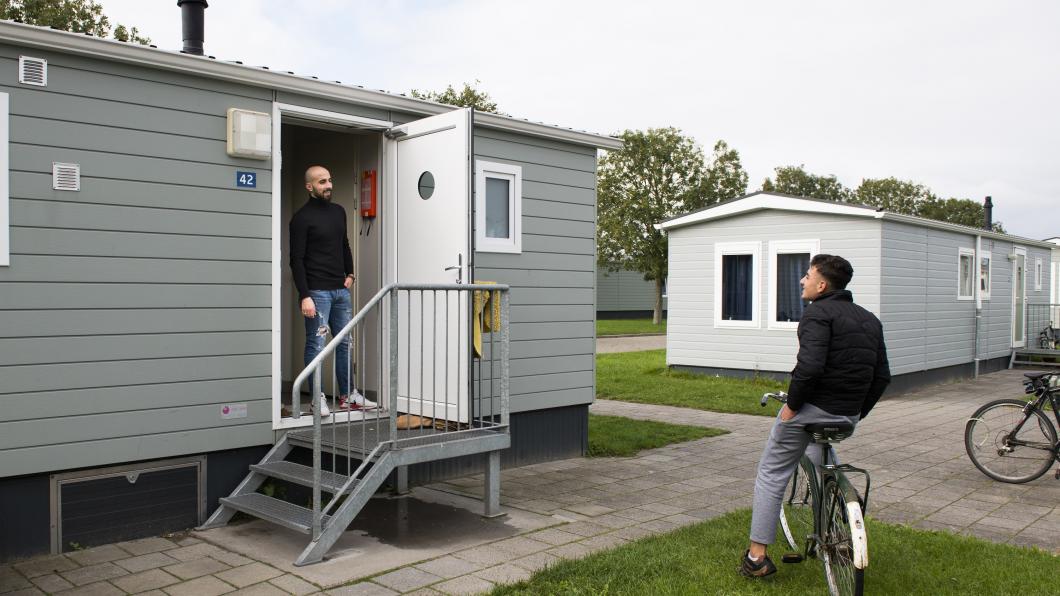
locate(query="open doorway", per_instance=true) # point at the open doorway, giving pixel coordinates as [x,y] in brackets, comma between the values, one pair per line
[347,153]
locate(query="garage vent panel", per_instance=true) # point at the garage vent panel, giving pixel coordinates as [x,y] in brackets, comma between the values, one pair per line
[33,71]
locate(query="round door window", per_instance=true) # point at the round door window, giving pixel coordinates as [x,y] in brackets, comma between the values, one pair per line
[426,185]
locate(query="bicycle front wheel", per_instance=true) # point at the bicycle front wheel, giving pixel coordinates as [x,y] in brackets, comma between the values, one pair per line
[844,545]
[1001,452]
[796,513]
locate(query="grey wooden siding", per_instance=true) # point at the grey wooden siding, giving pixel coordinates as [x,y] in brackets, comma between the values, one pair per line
[553,317]
[693,340]
[624,290]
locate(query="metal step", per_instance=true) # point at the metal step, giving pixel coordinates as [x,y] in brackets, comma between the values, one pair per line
[276,511]
[303,475]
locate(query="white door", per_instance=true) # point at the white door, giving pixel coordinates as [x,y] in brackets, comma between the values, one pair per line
[430,169]
[1019,298]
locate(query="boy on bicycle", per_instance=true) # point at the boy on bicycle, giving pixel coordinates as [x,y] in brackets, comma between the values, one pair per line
[840,373]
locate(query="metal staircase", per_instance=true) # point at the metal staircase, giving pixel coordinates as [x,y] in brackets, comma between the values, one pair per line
[474,410]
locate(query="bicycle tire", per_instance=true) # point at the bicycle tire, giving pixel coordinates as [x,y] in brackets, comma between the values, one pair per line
[844,545]
[986,437]
[796,512]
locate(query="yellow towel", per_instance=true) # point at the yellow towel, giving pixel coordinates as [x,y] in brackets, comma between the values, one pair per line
[486,301]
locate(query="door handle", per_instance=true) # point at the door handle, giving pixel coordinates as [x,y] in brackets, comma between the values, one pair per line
[459,268]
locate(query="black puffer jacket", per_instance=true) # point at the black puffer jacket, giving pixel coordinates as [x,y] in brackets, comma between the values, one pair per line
[842,363]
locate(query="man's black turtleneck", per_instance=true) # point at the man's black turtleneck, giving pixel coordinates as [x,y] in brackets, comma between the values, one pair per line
[320,249]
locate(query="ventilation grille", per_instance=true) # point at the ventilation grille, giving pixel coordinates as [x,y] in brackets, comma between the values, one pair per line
[66,176]
[32,71]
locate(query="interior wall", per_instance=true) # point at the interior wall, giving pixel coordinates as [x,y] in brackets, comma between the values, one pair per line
[345,155]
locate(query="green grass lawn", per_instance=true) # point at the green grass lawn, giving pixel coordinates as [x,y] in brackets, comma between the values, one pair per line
[628,327]
[702,559]
[642,377]
[614,436]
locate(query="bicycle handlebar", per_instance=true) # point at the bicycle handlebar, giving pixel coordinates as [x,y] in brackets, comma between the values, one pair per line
[779,396]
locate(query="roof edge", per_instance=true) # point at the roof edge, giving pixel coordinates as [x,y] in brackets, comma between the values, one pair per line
[129,53]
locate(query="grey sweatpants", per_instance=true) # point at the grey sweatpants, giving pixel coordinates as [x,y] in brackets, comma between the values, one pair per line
[786,445]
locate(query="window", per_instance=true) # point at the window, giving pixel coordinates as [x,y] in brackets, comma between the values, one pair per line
[1038,274]
[498,207]
[965,274]
[984,275]
[736,284]
[789,260]
[5,238]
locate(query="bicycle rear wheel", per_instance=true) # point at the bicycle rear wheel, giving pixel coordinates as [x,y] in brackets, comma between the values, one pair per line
[844,545]
[796,514]
[1006,456]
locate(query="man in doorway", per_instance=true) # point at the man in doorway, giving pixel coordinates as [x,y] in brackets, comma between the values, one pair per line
[322,266]
[840,374]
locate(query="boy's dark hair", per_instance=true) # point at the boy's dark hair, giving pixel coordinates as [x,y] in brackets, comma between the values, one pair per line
[835,269]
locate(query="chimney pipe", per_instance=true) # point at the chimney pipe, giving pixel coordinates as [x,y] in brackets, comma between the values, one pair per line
[191,12]
[988,214]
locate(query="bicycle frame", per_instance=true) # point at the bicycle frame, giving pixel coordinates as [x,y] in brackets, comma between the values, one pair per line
[1043,393]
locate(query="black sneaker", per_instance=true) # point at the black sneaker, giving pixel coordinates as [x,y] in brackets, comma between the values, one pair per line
[749,568]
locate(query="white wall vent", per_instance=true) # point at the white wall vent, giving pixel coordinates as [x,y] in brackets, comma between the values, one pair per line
[66,176]
[33,71]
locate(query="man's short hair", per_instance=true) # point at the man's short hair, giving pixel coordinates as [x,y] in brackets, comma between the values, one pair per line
[835,269]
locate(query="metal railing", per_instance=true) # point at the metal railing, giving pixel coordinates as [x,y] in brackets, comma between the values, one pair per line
[1043,326]
[435,385]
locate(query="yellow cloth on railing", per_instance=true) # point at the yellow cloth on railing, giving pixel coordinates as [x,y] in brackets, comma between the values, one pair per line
[487,314]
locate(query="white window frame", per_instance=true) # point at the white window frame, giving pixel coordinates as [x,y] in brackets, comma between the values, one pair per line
[739,248]
[973,271]
[5,213]
[1038,274]
[514,175]
[984,293]
[785,247]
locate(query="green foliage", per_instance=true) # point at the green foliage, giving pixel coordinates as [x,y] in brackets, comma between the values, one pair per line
[642,377]
[468,97]
[658,174]
[795,180]
[702,559]
[78,16]
[615,436]
[959,211]
[891,194]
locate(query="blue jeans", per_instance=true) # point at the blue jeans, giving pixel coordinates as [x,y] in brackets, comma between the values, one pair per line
[334,311]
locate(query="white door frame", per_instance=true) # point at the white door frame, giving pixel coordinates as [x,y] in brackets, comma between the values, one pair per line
[1019,251]
[304,113]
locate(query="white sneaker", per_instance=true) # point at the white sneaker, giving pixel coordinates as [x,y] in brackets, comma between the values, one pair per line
[356,401]
[324,410]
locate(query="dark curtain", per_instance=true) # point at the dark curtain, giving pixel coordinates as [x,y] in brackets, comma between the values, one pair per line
[736,272]
[790,269]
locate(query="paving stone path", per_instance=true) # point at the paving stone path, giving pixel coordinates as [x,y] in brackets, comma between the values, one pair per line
[913,446]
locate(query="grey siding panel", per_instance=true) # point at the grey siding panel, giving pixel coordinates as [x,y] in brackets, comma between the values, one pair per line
[50,350]
[45,296]
[21,323]
[63,215]
[154,397]
[904,294]
[340,107]
[116,269]
[73,242]
[553,321]
[624,290]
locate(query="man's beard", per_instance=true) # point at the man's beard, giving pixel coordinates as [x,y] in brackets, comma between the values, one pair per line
[326,195]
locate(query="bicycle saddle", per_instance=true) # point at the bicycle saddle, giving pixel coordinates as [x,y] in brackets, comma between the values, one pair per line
[1034,376]
[829,432]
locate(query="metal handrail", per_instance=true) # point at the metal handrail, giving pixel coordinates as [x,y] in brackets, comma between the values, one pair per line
[316,364]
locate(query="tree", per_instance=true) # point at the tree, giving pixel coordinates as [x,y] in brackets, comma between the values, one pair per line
[79,16]
[892,194]
[468,97]
[965,212]
[658,174]
[795,180]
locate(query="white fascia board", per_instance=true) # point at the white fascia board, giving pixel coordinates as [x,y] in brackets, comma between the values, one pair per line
[767,201]
[131,53]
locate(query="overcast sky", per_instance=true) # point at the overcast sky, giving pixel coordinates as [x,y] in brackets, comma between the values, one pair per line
[962,96]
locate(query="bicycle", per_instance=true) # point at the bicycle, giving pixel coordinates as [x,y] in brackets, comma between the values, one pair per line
[1005,443]
[823,512]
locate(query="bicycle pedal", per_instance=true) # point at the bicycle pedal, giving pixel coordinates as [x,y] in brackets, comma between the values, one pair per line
[792,558]
[1057,474]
